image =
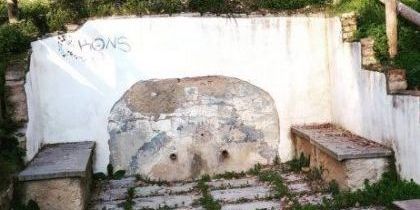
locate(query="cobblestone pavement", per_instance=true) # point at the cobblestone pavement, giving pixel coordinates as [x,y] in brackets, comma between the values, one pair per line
[246,193]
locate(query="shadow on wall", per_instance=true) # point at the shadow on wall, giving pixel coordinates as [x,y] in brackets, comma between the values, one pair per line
[175,129]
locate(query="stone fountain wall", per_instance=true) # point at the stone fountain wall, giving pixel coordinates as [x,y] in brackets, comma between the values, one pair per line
[175,129]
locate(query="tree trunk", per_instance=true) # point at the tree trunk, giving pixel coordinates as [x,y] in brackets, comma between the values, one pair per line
[392,27]
[12,10]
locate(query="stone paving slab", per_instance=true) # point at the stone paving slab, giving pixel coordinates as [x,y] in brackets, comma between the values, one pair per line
[292,177]
[233,183]
[339,143]
[313,198]
[268,205]
[407,204]
[144,191]
[126,182]
[238,194]
[299,188]
[185,201]
[59,161]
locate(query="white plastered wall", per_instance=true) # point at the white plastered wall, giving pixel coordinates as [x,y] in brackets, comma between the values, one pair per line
[71,86]
[360,103]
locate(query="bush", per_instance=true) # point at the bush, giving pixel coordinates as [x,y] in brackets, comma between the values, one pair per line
[13,39]
[166,6]
[289,5]
[3,12]
[371,23]
[10,155]
[214,6]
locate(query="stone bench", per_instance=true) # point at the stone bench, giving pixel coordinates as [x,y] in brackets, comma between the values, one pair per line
[342,156]
[59,177]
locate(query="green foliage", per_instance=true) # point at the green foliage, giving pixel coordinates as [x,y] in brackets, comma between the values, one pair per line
[230,175]
[128,204]
[382,193]
[297,164]
[371,23]
[315,173]
[10,155]
[214,6]
[165,6]
[13,39]
[289,5]
[207,201]
[147,180]
[276,161]
[333,188]
[255,170]
[275,180]
[111,174]
[3,12]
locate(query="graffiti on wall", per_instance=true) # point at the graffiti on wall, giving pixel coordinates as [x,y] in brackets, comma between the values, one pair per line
[91,48]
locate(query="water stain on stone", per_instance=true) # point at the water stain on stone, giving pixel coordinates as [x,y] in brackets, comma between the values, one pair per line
[149,149]
[197,165]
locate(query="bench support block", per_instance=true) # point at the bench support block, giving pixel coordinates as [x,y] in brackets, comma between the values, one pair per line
[349,173]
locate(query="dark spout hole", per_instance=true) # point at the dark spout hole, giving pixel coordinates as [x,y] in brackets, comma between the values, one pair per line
[225,154]
[173,156]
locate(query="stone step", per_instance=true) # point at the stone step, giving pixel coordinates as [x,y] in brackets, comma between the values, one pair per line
[299,188]
[241,194]
[292,177]
[144,191]
[184,201]
[233,183]
[268,205]
[126,182]
[313,198]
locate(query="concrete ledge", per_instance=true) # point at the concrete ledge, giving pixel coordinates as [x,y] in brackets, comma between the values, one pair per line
[59,161]
[60,176]
[343,157]
[339,143]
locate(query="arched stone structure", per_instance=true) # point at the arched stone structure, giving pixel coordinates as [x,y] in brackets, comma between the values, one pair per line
[176,129]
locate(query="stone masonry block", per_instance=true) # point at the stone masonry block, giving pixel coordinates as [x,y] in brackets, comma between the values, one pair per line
[60,176]
[396,79]
[343,157]
[349,26]
[16,106]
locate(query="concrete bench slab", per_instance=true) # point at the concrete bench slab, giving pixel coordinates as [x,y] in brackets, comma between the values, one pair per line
[344,157]
[407,204]
[59,177]
[339,143]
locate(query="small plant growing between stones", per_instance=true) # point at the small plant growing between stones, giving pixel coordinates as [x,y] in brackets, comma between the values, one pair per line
[276,161]
[111,175]
[275,180]
[315,173]
[390,188]
[297,164]
[230,175]
[148,180]
[333,187]
[256,170]
[207,201]
[128,204]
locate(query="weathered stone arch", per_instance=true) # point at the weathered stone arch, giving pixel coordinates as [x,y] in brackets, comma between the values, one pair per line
[176,129]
